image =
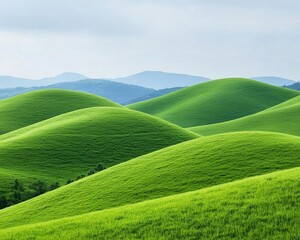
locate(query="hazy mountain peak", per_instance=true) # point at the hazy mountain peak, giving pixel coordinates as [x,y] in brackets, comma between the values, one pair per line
[68,76]
[276,81]
[159,79]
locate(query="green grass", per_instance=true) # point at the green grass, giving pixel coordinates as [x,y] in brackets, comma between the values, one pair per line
[215,101]
[30,108]
[68,145]
[284,118]
[263,207]
[188,166]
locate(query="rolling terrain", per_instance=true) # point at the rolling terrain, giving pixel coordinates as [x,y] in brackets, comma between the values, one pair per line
[30,108]
[284,118]
[232,173]
[262,207]
[215,101]
[106,135]
[188,166]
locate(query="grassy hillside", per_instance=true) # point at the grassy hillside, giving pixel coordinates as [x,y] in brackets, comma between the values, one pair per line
[263,207]
[215,101]
[68,145]
[188,166]
[30,108]
[284,118]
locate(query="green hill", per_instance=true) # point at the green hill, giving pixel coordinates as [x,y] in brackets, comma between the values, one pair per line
[263,207]
[215,101]
[188,166]
[30,108]
[284,118]
[68,145]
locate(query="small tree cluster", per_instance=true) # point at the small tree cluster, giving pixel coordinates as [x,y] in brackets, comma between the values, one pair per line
[19,193]
[99,167]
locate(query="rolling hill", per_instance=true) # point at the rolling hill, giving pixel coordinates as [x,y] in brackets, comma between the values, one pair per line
[30,108]
[215,101]
[67,146]
[262,207]
[284,118]
[160,80]
[195,164]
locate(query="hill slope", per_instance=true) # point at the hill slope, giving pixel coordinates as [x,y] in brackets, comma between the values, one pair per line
[30,108]
[284,118]
[263,207]
[159,80]
[68,145]
[188,166]
[215,101]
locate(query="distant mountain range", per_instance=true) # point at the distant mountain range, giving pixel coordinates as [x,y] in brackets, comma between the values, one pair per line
[126,90]
[13,82]
[118,92]
[276,81]
[295,86]
[160,80]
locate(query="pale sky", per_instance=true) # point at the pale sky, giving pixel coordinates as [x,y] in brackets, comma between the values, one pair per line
[210,38]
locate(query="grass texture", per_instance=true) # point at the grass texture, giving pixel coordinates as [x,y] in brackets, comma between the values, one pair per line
[68,145]
[188,166]
[284,118]
[263,207]
[215,101]
[30,108]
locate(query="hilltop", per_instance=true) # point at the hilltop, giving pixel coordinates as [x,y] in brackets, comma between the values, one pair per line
[215,101]
[188,166]
[284,118]
[263,207]
[67,146]
[30,108]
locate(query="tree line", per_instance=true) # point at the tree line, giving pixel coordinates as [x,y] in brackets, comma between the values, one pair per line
[18,193]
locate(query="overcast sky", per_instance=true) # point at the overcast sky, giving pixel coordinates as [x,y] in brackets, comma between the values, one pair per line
[211,38]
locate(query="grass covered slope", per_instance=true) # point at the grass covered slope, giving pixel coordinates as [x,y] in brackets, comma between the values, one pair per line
[68,145]
[30,108]
[215,101]
[188,166]
[263,207]
[284,118]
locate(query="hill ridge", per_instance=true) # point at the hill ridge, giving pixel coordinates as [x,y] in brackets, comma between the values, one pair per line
[283,118]
[163,173]
[214,101]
